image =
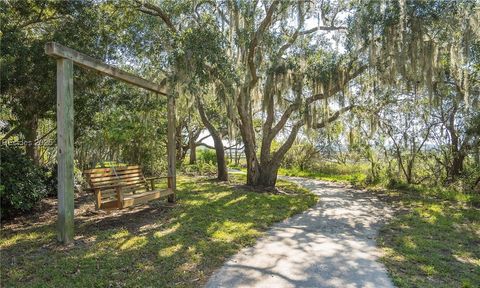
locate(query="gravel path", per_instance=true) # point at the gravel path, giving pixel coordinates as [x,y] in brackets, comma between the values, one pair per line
[330,245]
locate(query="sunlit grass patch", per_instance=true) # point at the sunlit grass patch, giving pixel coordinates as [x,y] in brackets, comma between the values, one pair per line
[433,243]
[174,245]
[351,174]
[28,236]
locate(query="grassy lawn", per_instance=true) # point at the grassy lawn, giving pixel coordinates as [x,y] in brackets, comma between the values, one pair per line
[334,173]
[156,245]
[432,242]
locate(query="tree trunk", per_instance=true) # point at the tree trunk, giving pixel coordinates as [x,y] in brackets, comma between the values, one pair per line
[264,173]
[409,175]
[477,154]
[222,173]
[193,151]
[268,175]
[237,160]
[458,155]
[253,167]
[456,168]
[180,152]
[30,137]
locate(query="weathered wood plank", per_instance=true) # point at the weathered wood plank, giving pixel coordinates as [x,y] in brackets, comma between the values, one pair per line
[109,205]
[109,174]
[171,147]
[132,200]
[118,191]
[65,149]
[57,50]
[113,178]
[98,198]
[104,170]
[145,197]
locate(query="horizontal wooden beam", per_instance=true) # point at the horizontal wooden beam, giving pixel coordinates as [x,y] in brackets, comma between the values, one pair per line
[59,51]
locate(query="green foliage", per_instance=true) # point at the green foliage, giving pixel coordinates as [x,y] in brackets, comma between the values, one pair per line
[22,183]
[206,164]
[131,128]
[105,30]
[207,156]
[51,175]
[235,166]
[27,71]
[51,180]
[353,174]
[200,168]
[178,246]
[301,156]
[450,193]
[198,45]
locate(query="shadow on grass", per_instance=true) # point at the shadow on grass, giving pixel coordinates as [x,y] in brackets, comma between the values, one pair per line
[434,244]
[152,245]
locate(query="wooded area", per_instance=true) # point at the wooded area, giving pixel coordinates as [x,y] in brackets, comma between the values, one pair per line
[377,94]
[260,75]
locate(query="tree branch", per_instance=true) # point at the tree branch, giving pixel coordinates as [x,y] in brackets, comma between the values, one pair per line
[203,138]
[320,96]
[10,133]
[206,145]
[46,134]
[256,38]
[278,155]
[323,28]
[157,11]
[332,118]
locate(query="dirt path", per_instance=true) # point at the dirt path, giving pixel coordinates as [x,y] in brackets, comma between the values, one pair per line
[330,245]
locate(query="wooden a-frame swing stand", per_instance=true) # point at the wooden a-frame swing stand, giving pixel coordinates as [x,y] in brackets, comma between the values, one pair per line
[66,57]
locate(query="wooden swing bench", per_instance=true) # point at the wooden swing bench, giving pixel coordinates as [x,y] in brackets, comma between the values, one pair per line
[121,187]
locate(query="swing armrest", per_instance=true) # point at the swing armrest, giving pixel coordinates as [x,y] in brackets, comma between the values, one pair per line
[152,180]
[156,177]
[106,187]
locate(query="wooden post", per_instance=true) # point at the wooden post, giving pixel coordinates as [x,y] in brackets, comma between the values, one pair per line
[65,149]
[65,59]
[172,181]
[98,197]
[118,191]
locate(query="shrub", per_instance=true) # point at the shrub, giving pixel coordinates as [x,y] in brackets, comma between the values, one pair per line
[302,156]
[22,183]
[200,168]
[51,180]
[207,156]
[51,174]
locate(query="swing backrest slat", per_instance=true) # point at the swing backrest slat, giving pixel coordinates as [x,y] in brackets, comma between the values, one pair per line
[129,176]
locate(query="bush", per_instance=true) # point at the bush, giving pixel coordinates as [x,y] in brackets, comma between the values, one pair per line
[207,156]
[51,175]
[200,168]
[51,180]
[22,183]
[302,156]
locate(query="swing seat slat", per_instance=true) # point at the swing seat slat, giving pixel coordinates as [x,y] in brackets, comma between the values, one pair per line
[121,187]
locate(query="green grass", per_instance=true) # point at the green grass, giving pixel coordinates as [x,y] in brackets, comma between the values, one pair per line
[160,246]
[433,242]
[354,175]
[436,193]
